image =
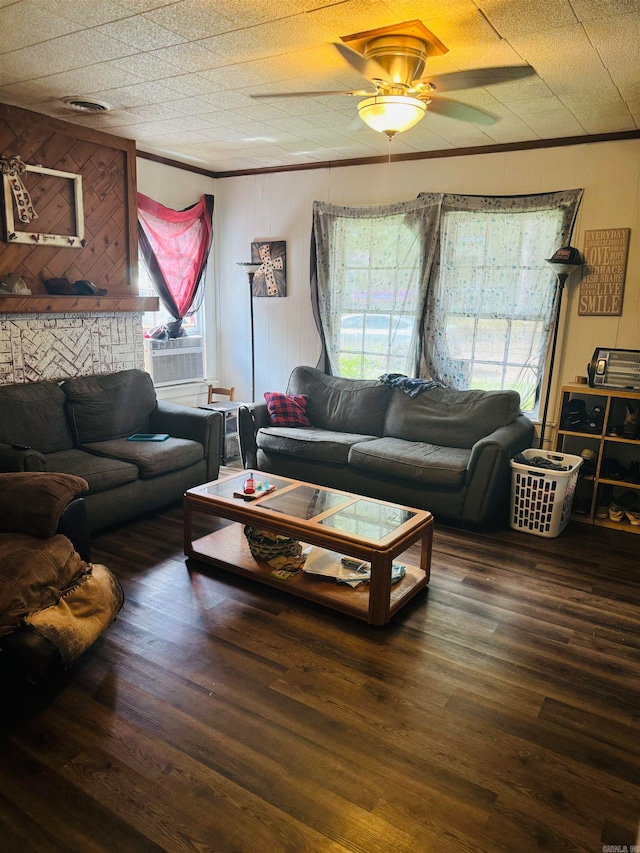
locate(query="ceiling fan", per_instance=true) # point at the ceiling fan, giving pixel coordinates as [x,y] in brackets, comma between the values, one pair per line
[393,60]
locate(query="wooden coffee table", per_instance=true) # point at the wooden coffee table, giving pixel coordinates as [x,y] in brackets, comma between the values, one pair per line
[372,530]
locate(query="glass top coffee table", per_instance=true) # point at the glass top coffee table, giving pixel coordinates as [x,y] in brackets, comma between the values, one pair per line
[369,530]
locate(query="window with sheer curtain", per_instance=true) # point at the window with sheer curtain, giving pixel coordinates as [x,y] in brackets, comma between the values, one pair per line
[370,280]
[491,293]
[456,289]
[496,298]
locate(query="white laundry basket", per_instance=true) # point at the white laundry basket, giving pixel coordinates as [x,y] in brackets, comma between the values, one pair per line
[541,498]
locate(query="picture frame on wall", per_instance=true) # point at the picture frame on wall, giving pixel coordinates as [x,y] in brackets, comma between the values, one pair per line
[271,277]
[68,211]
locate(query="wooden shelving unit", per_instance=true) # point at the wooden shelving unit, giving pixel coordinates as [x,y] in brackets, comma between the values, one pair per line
[606,446]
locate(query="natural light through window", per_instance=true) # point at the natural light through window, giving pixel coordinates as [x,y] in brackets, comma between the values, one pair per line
[496,297]
[153,319]
[381,264]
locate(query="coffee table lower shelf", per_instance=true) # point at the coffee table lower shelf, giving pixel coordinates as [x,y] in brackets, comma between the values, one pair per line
[227,549]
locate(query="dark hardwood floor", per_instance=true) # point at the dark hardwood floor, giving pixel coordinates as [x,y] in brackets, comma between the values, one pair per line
[498,712]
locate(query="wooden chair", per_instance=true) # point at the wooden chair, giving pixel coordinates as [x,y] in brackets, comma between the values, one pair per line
[222,392]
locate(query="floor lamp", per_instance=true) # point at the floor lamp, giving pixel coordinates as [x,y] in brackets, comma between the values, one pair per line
[251,269]
[564,262]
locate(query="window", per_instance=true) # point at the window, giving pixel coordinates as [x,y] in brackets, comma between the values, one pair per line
[449,287]
[192,323]
[371,344]
[495,298]
[371,279]
[380,284]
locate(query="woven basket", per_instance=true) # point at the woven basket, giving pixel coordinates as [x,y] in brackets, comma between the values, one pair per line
[264,545]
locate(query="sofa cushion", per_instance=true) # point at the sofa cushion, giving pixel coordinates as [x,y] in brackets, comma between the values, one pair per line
[34,414]
[287,409]
[101,474]
[341,405]
[450,418]
[413,460]
[112,405]
[309,442]
[151,457]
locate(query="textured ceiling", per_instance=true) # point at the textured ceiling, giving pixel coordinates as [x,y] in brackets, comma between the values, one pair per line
[179,75]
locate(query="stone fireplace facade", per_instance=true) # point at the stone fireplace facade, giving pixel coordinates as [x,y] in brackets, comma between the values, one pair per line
[37,347]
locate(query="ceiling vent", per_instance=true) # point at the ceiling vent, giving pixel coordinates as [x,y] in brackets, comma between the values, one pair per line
[82,105]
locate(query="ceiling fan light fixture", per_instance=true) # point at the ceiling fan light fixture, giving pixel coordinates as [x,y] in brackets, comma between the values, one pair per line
[391,114]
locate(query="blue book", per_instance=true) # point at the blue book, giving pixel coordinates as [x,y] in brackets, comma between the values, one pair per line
[149,436]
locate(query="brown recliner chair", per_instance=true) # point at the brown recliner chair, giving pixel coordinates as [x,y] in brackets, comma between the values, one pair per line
[54,603]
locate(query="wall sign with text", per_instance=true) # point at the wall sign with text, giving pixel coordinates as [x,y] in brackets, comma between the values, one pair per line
[602,286]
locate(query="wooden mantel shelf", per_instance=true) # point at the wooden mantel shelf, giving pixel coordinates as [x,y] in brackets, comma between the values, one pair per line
[76,304]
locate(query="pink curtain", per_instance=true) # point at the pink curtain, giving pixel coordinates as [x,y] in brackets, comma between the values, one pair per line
[175,245]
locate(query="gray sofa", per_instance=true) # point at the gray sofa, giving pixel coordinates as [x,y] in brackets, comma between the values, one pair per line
[445,451]
[80,426]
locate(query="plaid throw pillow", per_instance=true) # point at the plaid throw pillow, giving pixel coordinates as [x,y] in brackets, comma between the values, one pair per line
[287,409]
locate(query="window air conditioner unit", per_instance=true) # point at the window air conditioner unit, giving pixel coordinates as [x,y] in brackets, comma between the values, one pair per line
[174,361]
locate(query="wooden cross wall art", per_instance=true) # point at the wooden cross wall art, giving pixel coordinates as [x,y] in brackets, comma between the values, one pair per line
[271,278]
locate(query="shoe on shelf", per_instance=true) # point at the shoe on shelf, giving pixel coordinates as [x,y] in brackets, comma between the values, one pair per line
[613,470]
[595,419]
[634,517]
[588,467]
[574,415]
[630,425]
[624,503]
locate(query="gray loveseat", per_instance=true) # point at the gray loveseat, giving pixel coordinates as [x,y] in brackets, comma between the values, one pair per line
[445,451]
[80,426]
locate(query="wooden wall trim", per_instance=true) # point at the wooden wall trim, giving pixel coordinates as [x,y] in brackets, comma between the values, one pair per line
[176,164]
[132,214]
[434,155]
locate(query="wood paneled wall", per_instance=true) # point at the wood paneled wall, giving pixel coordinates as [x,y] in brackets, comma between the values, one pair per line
[107,166]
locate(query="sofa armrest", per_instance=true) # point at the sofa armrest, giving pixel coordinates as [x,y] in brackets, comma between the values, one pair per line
[73,524]
[251,418]
[509,440]
[14,459]
[33,503]
[488,474]
[195,424]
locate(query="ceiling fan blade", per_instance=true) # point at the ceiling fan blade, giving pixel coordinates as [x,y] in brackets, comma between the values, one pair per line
[478,77]
[359,94]
[462,112]
[369,68]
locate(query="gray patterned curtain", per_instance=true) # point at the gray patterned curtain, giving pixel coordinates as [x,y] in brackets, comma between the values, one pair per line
[373,260]
[491,293]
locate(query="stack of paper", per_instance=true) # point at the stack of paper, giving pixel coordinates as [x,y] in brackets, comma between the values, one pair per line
[331,564]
